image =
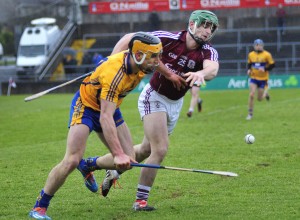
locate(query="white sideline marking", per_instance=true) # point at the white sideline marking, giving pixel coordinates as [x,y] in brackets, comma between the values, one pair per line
[245,106]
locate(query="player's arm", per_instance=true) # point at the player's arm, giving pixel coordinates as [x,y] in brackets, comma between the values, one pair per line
[249,65]
[271,63]
[122,44]
[178,81]
[249,69]
[209,71]
[270,67]
[121,160]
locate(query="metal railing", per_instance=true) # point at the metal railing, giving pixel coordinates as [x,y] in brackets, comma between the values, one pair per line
[233,46]
[52,60]
[239,67]
[284,48]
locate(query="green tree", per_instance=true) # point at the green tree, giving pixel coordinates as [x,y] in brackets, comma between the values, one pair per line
[7,40]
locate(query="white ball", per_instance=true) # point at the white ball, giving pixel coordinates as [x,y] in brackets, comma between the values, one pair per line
[249,139]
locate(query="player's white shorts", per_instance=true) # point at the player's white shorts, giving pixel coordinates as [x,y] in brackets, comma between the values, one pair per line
[150,101]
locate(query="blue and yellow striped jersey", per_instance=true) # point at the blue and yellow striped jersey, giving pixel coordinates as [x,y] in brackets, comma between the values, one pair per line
[258,60]
[112,81]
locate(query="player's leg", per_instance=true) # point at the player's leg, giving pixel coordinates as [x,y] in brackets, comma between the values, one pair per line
[76,143]
[261,89]
[199,102]
[252,90]
[260,93]
[266,94]
[159,122]
[194,100]
[157,135]
[156,132]
[143,150]
[153,110]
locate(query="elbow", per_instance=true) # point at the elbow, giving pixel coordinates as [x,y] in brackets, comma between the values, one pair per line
[212,69]
[270,67]
[127,37]
[215,73]
[212,74]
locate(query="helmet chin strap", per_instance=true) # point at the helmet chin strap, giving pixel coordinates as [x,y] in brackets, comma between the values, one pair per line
[192,33]
[139,64]
[141,61]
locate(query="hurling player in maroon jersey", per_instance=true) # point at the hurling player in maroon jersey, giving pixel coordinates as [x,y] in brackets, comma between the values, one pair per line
[187,54]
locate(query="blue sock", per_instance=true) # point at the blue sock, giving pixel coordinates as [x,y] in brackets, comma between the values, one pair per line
[91,163]
[43,200]
[250,111]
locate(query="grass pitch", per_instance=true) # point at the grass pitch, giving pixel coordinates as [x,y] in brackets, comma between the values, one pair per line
[33,139]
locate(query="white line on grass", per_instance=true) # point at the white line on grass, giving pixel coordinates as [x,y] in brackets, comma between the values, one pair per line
[244,106]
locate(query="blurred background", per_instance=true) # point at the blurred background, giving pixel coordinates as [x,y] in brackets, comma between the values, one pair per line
[44,42]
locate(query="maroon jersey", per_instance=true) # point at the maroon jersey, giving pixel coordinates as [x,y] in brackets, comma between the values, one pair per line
[179,60]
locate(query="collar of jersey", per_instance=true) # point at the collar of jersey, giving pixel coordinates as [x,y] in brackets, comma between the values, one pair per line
[128,69]
[183,36]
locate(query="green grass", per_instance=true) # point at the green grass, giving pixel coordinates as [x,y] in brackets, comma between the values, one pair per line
[33,139]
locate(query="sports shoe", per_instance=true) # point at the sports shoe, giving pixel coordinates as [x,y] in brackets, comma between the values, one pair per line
[109,180]
[249,117]
[39,213]
[142,205]
[267,97]
[89,179]
[189,114]
[200,105]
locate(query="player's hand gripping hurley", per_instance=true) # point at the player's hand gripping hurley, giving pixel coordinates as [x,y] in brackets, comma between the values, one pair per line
[37,95]
[154,166]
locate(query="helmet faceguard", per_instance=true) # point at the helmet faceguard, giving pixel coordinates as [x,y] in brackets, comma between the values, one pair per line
[258,45]
[148,45]
[204,18]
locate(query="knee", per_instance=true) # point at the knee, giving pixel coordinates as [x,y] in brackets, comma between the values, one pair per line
[70,163]
[142,151]
[160,153]
[145,151]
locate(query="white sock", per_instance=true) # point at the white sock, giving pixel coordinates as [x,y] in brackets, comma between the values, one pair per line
[142,192]
[116,174]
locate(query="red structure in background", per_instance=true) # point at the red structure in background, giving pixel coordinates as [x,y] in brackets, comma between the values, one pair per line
[119,6]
